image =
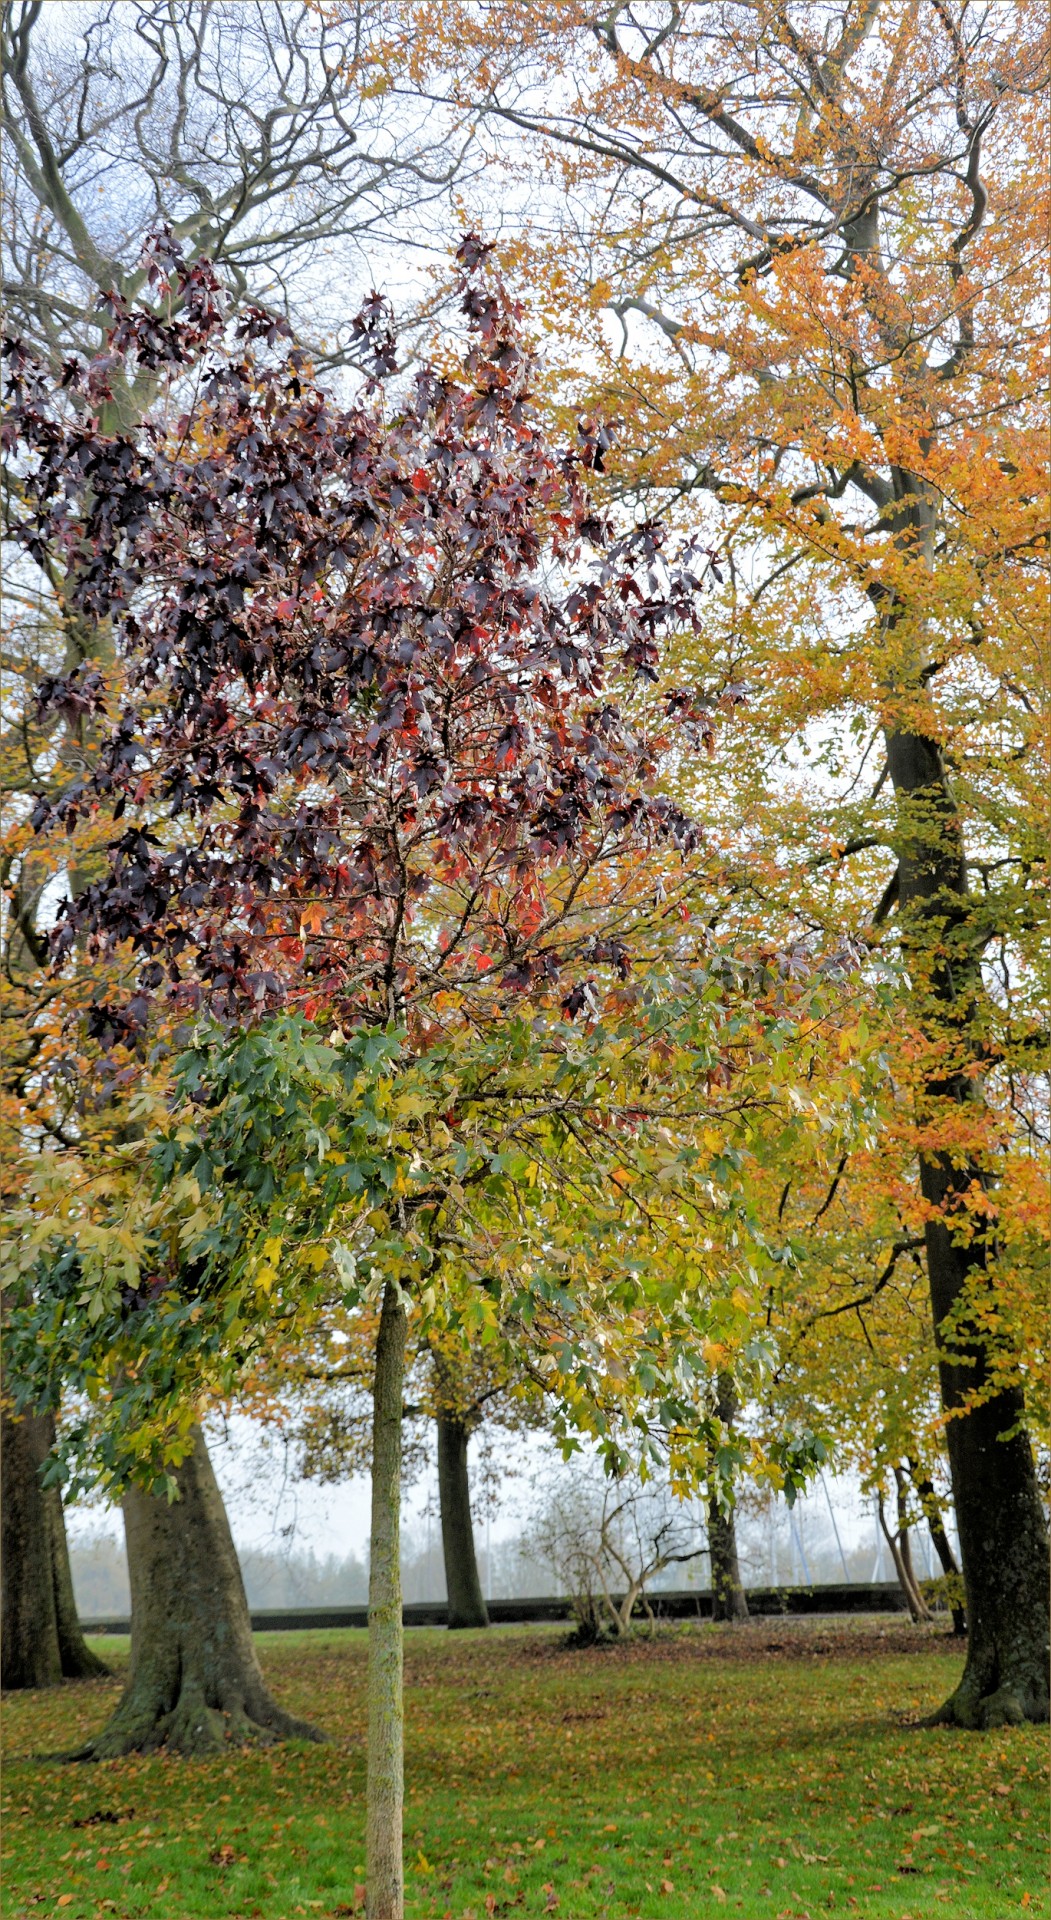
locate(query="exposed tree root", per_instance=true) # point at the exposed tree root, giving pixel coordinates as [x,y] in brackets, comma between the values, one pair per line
[986,1699]
[195,1724]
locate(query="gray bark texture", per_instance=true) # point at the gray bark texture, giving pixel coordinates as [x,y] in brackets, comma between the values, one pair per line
[40,1638]
[728,1595]
[195,1684]
[467,1606]
[386,1766]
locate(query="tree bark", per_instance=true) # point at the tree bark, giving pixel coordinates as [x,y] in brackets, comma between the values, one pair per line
[386,1770]
[1003,1537]
[195,1685]
[728,1594]
[40,1634]
[31,1655]
[900,1553]
[463,1586]
[729,1601]
[921,1610]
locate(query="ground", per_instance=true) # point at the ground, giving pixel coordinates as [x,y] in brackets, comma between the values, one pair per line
[774,1770]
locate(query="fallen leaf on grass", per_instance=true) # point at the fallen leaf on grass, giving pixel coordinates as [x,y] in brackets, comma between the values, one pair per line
[64,1900]
[668,1886]
[717,1893]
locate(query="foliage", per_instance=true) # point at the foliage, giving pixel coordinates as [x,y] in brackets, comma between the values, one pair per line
[378,776]
[797,258]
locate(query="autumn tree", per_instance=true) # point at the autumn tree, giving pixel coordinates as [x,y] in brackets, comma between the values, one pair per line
[255,131]
[387,809]
[812,248]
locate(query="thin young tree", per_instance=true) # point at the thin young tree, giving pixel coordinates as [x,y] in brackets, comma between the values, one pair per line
[370,655]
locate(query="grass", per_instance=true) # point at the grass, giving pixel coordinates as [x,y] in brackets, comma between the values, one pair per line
[714,1771]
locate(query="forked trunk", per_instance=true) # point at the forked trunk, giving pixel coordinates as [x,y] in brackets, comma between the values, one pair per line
[40,1634]
[467,1606]
[901,1554]
[386,1786]
[195,1684]
[728,1595]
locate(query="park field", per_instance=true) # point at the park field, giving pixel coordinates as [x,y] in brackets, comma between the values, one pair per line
[772,1770]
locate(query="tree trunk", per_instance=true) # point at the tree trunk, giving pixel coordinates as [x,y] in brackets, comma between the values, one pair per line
[899,1552]
[31,1655]
[386,1772]
[40,1633]
[920,1609]
[1003,1537]
[467,1606]
[195,1684]
[942,1545]
[728,1595]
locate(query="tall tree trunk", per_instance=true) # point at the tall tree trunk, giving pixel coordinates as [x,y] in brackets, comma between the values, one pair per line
[195,1684]
[942,1545]
[40,1634]
[728,1595]
[31,1656]
[467,1606]
[386,1771]
[1003,1536]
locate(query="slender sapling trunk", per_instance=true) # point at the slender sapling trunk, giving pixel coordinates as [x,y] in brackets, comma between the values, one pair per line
[385,1791]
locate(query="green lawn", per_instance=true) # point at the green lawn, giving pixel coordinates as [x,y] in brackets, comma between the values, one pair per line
[770,1771]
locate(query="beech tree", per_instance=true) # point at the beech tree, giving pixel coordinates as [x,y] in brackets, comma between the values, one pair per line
[815,237]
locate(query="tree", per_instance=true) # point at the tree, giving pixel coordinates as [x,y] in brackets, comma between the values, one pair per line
[194,1683]
[606,1540]
[256,132]
[40,1634]
[378,717]
[817,238]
